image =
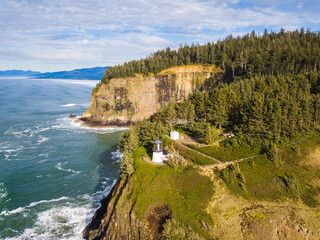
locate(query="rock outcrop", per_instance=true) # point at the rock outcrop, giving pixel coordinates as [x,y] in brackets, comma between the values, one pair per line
[130,100]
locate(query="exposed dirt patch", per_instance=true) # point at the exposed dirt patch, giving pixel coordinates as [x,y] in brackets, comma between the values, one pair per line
[260,222]
[313,160]
[156,220]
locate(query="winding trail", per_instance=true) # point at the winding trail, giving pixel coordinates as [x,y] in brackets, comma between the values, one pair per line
[219,164]
[205,155]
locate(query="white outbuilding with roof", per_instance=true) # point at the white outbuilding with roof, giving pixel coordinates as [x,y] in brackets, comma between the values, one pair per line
[174,135]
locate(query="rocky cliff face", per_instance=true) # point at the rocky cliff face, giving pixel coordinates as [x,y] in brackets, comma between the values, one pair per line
[233,218]
[130,100]
[116,219]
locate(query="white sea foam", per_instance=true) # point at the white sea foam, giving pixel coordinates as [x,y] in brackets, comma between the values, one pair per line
[38,130]
[17,133]
[3,193]
[103,193]
[60,222]
[69,105]
[106,181]
[65,123]
[43,155]
[21,209]
[9,151]
[42,139]
[59,167]
[117,156]
[47,201]
[14,211]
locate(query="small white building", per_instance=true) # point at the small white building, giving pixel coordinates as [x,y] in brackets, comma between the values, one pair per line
[158,155]
[174,135]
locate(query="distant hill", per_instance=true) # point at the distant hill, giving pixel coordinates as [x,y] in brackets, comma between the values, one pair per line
[95,73]
[17,73]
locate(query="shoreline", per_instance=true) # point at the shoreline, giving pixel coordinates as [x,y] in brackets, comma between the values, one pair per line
[95,124]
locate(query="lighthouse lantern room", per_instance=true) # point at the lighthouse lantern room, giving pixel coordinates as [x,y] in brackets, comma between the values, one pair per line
[157,155]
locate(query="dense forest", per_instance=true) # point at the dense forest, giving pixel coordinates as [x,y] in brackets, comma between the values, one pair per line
[272,53]
[271,109]
[274,99]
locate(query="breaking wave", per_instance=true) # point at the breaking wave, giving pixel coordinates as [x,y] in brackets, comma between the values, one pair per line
[59,222]
[59,167]
[21,209]
[75,124]
[117,156]
[69,105]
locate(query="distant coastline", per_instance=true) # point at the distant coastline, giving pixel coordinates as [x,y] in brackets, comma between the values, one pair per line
[95,73]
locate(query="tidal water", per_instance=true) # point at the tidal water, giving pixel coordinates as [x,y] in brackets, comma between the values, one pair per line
[53,172]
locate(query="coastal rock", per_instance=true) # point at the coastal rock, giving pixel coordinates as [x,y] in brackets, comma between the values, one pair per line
[130,100]
[71,116]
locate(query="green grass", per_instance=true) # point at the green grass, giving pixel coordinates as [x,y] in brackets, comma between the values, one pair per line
[186,193]
[225,152]
[190,154]
[181,130]
[289,177]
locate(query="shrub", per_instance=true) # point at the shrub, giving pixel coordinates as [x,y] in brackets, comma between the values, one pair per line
[211,134]
[127,164]
[176,160]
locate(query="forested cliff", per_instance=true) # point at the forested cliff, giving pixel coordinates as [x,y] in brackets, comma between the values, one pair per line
[130,100]
[271,53]
[146,84]
[261,182]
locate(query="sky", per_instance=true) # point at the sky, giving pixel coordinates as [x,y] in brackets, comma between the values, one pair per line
[56,35]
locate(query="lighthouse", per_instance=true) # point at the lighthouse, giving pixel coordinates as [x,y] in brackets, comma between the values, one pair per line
[157,155]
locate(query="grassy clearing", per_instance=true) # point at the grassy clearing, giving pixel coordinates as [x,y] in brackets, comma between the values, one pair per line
[225,152]
[291,176]
[186,193]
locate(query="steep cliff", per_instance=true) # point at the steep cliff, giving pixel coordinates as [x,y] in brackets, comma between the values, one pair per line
[130,100]
[159,202]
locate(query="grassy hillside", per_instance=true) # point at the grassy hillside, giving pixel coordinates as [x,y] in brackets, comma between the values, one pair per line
[295,174]
[246,193]
[186,193]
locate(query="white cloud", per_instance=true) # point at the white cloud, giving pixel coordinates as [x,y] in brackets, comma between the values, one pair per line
[118,14]
[112,31]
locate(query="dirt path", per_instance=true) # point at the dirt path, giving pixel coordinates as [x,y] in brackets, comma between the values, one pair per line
[218,163]
[294,143]
[222,165]
[154,163]
[205,155]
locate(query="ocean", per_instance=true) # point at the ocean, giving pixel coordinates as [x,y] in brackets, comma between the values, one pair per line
[53,172]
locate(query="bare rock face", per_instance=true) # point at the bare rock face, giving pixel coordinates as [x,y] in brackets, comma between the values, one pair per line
[130,100]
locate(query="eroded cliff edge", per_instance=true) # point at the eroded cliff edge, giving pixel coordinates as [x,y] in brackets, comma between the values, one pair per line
[130,100]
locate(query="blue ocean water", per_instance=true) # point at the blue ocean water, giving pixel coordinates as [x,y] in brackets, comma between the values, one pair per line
[53,172]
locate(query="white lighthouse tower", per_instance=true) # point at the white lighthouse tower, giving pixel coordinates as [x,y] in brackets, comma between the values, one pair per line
[157,155]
